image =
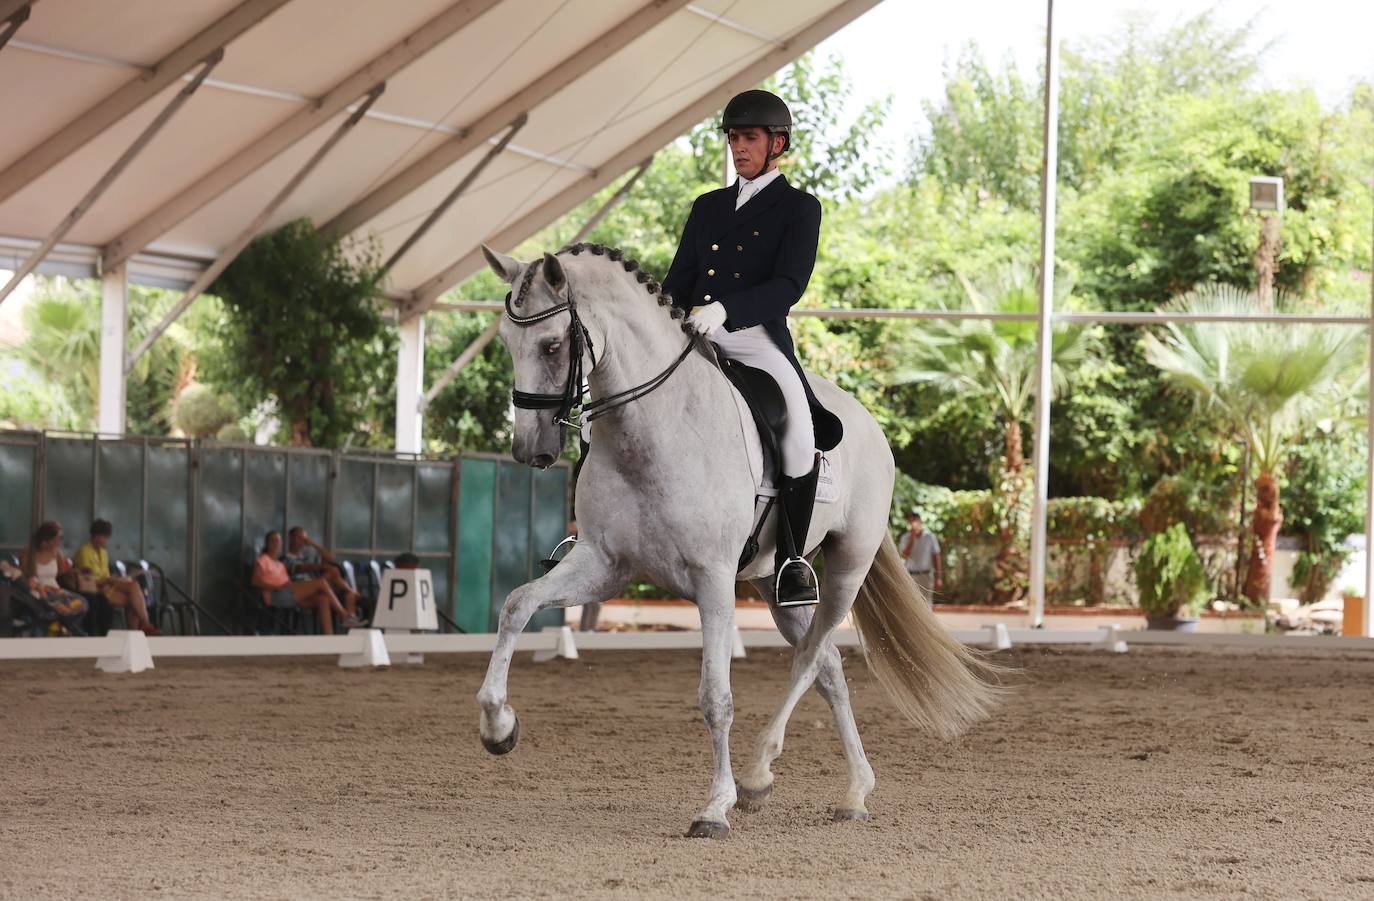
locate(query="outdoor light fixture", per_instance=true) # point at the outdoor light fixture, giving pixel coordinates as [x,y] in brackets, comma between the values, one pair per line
[1266,193]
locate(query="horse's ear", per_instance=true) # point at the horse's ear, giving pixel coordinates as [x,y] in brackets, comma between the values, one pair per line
[554,274]
[506,267]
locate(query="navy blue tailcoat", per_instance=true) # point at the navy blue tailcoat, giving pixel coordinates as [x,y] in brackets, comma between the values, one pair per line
[756,261]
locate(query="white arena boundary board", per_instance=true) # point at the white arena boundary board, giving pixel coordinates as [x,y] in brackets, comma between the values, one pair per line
[132,652]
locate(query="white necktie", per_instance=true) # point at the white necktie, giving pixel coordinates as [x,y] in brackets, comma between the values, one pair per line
[746,191]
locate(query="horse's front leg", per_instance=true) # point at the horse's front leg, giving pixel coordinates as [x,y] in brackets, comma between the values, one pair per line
[581,577]
[717,607]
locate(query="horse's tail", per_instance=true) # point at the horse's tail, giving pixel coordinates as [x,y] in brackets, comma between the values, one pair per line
[937,682]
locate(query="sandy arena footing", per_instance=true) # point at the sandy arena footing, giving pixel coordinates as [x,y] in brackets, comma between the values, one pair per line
[1160,773]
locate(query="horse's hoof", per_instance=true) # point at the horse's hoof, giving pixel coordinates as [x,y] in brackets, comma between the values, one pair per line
[752,800]
[708,829]
[505,745]
[850,816]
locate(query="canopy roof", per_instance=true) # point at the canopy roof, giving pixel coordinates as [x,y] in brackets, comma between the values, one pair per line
[605,83]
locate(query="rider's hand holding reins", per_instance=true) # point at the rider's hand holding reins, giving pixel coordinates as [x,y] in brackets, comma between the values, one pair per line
[708,318]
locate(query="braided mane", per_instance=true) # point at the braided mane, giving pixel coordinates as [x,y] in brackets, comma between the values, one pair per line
[616,255]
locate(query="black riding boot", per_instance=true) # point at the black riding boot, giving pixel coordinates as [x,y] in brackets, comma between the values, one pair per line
[795,581]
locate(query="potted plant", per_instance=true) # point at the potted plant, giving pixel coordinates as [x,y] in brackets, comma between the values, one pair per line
[1172,581]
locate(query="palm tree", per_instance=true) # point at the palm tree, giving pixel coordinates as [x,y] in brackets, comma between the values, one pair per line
[1272,382]
[61,346]
[994,361]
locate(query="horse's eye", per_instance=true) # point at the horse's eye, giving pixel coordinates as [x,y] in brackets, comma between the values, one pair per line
[553,347]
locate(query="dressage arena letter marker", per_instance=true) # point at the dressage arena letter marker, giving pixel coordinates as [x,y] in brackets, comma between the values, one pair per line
[409,595]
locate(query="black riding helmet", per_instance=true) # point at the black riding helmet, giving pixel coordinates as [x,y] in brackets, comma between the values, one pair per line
[759,109]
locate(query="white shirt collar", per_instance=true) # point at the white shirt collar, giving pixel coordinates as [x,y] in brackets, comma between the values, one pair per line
[749,187]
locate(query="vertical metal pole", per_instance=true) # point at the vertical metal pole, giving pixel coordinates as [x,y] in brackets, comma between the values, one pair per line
[111,416]
[1367,626]
[376,494]
[243,501]
[286,504]
[414,504]
[455,494]
[143,515]
[193,513]
[331,483]
[95,478]
[1045,323]
[727,166]
[41,477]
[410,385]
[492,603]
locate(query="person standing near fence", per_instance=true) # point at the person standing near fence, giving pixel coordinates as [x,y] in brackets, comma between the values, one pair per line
[921,554]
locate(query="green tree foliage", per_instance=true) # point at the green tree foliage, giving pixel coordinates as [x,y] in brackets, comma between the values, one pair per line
[1323,502]
[61,351]
[1170,575]
[1272,384]
[992,363]
[300,326]
[473,412]
[199,412]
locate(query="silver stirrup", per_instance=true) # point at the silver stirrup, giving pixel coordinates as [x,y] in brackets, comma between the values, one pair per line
[777,583]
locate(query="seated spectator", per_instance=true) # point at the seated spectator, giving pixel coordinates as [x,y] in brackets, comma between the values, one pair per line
[93,562]
[305,560]
[42,562]
[271,578]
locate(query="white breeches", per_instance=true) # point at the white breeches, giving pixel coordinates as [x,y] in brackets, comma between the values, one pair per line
[753,347]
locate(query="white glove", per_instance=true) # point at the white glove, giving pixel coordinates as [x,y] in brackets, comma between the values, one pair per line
[709,318]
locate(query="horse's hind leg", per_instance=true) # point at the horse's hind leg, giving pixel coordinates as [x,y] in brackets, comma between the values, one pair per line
[581,577]
[815,659]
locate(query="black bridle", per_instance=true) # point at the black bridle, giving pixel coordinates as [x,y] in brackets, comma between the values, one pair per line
[569,399]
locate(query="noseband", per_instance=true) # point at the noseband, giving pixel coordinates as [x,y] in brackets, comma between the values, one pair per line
[570,398]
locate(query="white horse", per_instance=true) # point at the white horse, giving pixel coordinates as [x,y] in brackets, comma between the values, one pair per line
[667,495]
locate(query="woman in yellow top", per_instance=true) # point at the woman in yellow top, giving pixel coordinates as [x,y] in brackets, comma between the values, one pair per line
[93,560]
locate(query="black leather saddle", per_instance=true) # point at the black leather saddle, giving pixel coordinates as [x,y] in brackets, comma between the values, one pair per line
[764,399]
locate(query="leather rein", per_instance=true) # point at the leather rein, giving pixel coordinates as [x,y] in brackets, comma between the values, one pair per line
[565,402]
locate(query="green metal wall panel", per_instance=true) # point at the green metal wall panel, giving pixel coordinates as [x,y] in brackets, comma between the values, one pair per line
[511,535]
[549,526]
[434,509]
[119,499]
[18,487]
[395,506]
[167,529]
[69,486]
[434,506]
[223,552]
[353,504]
[506,516]
[476,518]
[307,503]
[264,495]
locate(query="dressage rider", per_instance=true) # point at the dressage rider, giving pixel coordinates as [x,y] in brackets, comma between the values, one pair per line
[745,257]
